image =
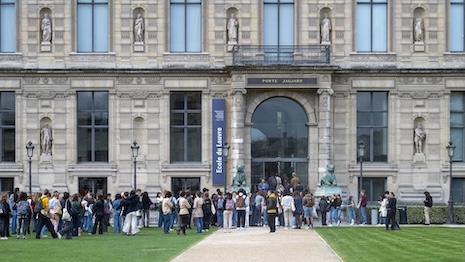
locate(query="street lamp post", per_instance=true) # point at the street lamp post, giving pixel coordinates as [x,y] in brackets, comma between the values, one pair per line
[135,152]
[225,160]
[361,154]
[30,151]
[450,206]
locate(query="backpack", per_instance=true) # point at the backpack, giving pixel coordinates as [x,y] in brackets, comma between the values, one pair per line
[22,208]
[240,202]
[309,201]
[38,206]
[229,204]
[220,203]
[106,208]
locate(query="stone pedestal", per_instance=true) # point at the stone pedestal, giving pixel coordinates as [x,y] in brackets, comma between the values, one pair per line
[327,191]
[139,47]
[231,46]
[419,158]
[419,47]
[45,47]
[45,158]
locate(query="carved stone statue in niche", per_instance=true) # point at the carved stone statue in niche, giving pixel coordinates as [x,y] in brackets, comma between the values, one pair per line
[46,28]
[326,28]
[232,27]
[418,30]
[419,139]
[139,28]
[46,140]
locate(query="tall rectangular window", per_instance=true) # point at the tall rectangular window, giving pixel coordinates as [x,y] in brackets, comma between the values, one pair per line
[278,30]
[186,26]
[372,26]
[7,126]
[372,124]
[457,124]
[92,126]
[7,26]
[456,25]
[185,127]
[92,26]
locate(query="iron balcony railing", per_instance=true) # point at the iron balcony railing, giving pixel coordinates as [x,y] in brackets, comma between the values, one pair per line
[281,55]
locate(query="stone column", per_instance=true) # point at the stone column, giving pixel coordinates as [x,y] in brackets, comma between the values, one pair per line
[236,154]
[324,130]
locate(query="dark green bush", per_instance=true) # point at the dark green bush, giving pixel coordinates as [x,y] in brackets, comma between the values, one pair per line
[416,214]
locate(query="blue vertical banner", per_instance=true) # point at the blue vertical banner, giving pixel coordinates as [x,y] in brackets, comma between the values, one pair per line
[218,139]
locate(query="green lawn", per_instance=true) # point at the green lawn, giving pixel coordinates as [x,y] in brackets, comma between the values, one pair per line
[148,245]
[438,244]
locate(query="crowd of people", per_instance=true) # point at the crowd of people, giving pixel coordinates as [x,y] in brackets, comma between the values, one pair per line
[273,202]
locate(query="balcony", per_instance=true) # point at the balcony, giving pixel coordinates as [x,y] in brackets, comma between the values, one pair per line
[281,55]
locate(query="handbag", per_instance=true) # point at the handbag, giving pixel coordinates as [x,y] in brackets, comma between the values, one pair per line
[66,216]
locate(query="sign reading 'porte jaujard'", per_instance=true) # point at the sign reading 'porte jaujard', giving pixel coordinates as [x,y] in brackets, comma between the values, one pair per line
[282,81]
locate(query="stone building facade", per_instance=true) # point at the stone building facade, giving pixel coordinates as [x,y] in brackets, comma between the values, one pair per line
[292,101]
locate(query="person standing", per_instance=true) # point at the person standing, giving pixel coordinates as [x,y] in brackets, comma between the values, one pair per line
[98,211]
[146,203]
[131,205]
[271,210]
[391,212]
[117,219]
[167,208]
[295,181]
[44,217]
[228,208]
[324,207]
[219,209]
[184,207]
[207,211]
[287,202]
[362,204]
[23,210]
[5,213]
[428,201]
[298,204]
[197,213]
[383,208]
[242,203]
[351,210]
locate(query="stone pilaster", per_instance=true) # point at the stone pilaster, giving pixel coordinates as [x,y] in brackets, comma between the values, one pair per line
[237,149]
[324,129]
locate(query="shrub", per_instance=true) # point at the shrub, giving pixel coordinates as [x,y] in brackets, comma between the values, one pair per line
[416,214]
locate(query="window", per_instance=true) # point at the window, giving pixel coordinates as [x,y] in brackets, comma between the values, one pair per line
[7,26]
[371,26]
[96,186]
[185,127]
[458,191]
[186,26]
[92,26]
[278,29]
[457,124]
[456,25]
[7,126]
[374,188]
[372,125]
[92,126]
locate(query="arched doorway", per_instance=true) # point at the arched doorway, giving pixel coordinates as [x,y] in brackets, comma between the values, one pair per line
[279,140]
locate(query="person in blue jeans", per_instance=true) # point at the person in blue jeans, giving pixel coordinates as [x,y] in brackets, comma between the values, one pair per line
[167,209]
[197,212]
[362,205]
[351,210]
[117,219]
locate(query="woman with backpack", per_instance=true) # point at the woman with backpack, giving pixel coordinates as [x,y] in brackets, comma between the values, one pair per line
[228,210]
[298,203]
[23,210]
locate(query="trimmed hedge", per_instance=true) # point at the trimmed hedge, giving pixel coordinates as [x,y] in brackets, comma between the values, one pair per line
[416,214]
